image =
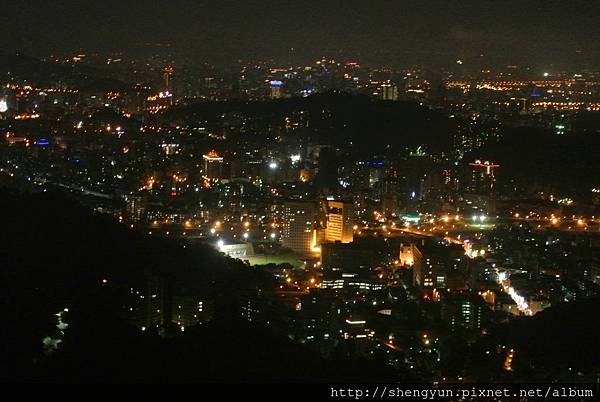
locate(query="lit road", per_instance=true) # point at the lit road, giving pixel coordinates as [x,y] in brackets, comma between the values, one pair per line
[504,281]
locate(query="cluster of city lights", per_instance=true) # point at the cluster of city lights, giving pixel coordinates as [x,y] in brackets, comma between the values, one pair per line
[519,300]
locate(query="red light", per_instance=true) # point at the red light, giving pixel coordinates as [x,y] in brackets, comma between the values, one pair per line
[173,194]
[425,296]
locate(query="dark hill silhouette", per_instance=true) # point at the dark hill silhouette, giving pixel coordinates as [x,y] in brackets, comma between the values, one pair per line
[54,254]
[339,118]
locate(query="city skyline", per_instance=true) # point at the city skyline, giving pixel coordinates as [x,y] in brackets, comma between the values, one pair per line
[380,199]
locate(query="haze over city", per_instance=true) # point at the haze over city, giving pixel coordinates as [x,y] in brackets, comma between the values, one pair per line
[438,32]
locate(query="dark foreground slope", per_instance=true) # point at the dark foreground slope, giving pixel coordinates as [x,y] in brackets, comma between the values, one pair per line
[55,255]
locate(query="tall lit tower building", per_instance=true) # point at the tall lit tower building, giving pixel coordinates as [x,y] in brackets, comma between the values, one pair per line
[168,81]
[410,256]
[298,226]
[389,91]
[482,177]
[135,207]
[168,78]
[339,221]
[276,89]
[213,166]
[482,182]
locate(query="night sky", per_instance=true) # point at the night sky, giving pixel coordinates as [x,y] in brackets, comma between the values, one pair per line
[437,32]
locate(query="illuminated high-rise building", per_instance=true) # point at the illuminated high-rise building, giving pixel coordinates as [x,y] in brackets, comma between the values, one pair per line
[463,311]
[213,166]
[168,82]
[275,87]
[428,272]
[389,91]
[482,178]
[410,255]
[168,78]
[481,185]
[339,221]
[136,207]
[299,226]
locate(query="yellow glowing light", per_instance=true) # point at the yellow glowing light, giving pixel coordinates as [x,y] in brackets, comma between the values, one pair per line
[313,246]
